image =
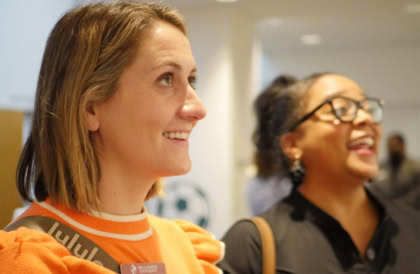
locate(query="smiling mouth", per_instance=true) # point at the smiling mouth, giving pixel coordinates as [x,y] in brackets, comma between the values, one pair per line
[366,142]
[177,135]
[363,145]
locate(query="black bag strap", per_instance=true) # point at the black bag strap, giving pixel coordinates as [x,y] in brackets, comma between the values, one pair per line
[76,243]
[267,245]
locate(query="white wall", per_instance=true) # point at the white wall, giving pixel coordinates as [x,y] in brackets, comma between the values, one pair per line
[24,28]
[211,148]
[223,50]
[391,73]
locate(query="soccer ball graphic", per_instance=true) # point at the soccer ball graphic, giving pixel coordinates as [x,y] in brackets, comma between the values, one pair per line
[184,200]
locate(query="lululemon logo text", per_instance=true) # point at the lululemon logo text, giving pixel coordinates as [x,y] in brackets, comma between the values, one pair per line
[71,243]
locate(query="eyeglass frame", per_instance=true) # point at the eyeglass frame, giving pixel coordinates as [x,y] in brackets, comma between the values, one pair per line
[329,101]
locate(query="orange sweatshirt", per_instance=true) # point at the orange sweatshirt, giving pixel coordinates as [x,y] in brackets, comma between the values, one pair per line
[183,247]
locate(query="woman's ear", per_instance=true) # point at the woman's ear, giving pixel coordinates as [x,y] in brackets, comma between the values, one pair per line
[289,145]
[92,117]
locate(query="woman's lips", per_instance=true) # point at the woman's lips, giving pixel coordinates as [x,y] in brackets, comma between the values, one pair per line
[363,146]
[363,150]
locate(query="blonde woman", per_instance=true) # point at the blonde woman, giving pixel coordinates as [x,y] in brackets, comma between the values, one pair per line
[115,105]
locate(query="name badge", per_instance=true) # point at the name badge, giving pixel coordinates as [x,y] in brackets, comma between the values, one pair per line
[145,268]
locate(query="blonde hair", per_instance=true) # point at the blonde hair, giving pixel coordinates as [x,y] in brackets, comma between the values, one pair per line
[86,53]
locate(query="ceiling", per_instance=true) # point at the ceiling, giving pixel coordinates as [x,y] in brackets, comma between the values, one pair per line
[341,23]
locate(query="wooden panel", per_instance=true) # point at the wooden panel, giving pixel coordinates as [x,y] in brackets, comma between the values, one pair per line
[11,123]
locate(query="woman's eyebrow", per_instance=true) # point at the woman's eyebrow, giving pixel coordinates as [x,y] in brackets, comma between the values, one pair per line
[171,64]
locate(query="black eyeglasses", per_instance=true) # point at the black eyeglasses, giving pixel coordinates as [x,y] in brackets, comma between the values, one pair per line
[345,109]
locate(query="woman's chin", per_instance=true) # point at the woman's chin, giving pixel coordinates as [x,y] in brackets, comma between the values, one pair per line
[180,168]
[364,171]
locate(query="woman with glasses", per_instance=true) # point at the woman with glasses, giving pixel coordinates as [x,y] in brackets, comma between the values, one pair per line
[328,134]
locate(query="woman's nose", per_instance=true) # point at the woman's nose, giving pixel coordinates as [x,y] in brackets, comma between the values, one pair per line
[363,117]
[193,108]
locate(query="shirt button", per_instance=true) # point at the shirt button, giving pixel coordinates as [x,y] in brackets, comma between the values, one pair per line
[370,254]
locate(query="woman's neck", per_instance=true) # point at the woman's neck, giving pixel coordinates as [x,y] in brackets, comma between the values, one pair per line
[336,195]
[123,195]
[346,201]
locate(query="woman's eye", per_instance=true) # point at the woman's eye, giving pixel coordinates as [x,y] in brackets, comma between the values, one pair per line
[192,81]
[166,79]
[340,111]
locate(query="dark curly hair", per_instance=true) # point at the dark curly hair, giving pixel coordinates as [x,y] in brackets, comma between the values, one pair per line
[270,111]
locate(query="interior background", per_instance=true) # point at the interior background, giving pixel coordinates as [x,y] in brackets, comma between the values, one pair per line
[239,48]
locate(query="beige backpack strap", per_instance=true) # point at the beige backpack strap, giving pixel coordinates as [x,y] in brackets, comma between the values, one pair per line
[267,245]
